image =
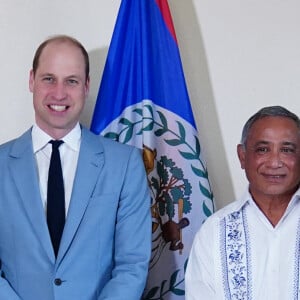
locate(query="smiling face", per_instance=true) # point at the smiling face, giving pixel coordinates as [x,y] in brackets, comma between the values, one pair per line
[271,158]
[59,88]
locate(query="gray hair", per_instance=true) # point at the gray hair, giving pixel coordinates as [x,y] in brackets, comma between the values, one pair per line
[270,111]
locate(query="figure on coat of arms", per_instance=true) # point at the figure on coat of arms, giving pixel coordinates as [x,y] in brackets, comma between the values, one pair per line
[170,201]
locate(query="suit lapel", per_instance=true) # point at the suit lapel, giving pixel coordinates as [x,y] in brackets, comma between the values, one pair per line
[23,169]
[90,163]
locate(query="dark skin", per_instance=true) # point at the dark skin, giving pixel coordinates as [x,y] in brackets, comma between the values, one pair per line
[271,160]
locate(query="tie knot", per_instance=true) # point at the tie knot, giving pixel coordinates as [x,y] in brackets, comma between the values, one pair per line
[56,143]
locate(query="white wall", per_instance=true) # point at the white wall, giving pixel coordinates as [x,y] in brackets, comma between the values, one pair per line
[237,55]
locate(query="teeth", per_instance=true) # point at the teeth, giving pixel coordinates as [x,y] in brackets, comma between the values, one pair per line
[58,107]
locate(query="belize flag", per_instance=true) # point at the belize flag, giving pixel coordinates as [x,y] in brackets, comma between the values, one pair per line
[143,101]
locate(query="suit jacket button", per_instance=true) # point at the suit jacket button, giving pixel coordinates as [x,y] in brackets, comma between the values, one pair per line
[57,281]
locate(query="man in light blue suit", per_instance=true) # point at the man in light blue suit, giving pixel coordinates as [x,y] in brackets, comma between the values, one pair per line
[105,245]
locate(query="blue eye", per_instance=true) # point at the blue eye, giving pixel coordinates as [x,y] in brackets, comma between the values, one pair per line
[48,79]
[72,81]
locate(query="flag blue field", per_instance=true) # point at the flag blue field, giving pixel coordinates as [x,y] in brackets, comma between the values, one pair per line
[143,101]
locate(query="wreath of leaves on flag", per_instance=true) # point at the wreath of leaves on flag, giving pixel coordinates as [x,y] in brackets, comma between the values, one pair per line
[193,151]
[164,289]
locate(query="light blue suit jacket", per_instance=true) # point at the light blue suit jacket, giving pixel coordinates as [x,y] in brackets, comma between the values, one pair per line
[105,247]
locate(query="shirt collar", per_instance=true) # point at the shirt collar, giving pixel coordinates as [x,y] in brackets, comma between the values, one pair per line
[294,201]
[40,138]
[247,199]
[244,200]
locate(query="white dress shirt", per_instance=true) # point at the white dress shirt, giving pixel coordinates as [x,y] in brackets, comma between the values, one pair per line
[69,152]
[237,254]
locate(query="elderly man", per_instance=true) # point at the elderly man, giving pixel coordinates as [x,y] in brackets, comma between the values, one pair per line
[250,248]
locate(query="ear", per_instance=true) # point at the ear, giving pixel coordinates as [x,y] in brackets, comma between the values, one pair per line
[87,86]
[31,81]
[241,152]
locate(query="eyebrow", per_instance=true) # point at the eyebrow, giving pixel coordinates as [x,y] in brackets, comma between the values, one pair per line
[73,76]
[262,142]
[46,74]
[289,144]
[53,75]
[286,143]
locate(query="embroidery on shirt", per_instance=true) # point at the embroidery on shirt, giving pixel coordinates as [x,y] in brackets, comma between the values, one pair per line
[235,256]
[296,268]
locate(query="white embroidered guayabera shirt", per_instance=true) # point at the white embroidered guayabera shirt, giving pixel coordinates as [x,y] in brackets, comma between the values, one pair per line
[238,255]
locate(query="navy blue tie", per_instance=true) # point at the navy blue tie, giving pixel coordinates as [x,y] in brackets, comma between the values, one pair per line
[55,197]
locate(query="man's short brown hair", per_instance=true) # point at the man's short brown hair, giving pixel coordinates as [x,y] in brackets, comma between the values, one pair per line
[61,38]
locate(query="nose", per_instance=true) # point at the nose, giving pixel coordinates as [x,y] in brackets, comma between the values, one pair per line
[59,92]
[275,160]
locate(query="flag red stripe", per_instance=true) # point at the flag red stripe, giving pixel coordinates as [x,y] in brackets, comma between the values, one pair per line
[165,11]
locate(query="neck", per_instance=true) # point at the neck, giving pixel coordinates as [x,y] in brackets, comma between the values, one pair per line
[273,207]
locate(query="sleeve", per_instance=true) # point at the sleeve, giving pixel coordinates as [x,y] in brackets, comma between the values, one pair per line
[132,235]
[199,276]
[6,291]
